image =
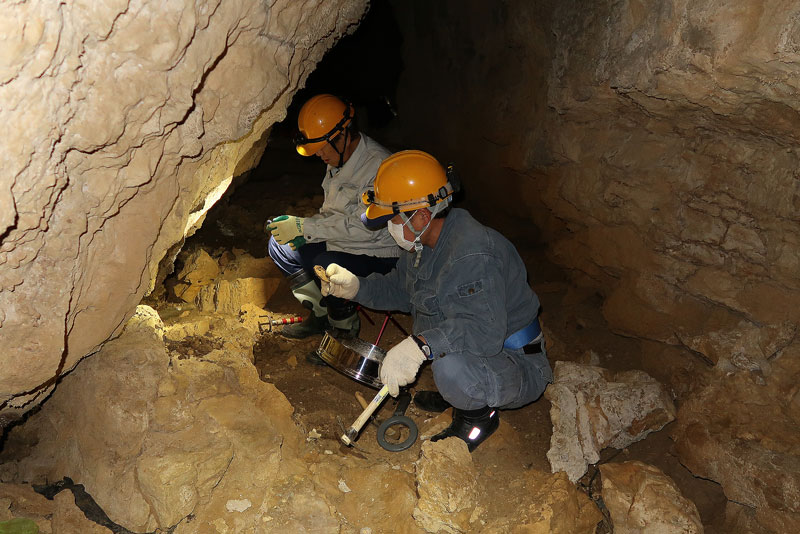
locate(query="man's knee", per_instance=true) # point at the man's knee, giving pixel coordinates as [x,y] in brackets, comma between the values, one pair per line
[456,381]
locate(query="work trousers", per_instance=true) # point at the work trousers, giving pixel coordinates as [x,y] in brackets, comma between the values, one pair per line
[507,380]
[311,254]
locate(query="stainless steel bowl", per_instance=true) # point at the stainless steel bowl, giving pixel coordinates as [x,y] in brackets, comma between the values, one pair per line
[353,357]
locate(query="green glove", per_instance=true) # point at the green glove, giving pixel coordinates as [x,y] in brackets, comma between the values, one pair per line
[297,242]
[286,228]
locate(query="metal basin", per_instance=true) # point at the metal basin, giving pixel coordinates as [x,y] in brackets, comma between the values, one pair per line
[353,357]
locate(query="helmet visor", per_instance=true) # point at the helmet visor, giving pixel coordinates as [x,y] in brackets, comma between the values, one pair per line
[377,221]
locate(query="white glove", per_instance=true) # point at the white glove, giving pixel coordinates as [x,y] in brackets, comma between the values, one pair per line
[343,283]
[401,364]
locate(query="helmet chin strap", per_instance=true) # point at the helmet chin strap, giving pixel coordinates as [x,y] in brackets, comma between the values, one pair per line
[341,154]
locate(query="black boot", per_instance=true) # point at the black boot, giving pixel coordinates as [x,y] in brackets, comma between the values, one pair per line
[344,319]
[473,426]
[309,327]
[431,401]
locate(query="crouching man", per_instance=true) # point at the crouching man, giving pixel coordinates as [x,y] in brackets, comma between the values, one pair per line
[465,285]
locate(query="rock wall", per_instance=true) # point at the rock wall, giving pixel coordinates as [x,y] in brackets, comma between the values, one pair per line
[125,121]
[653,145]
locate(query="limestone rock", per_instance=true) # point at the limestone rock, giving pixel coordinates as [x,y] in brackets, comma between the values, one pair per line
[379,495]
[253,317]
[155,439]
[446,486]
[435,424]
[593,409]
[655,153]
[199,268]
[246,266]
[117,147]
[228,296]
[246,281]
[548,503]
[643,500]
[746,346]
[198,326]
[741,431]
[57,516]
[67,517]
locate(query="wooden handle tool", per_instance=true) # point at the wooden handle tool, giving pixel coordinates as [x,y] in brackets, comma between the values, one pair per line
[352,433]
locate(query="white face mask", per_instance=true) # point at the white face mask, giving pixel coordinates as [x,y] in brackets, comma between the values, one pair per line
[396,231]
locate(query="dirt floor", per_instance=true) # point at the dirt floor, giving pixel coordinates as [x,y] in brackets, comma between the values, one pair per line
[325,399]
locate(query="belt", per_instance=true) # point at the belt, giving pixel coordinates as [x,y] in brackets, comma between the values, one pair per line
[525,336]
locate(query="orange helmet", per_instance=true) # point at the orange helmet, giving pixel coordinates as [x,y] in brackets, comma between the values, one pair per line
[406,181]
[321,119]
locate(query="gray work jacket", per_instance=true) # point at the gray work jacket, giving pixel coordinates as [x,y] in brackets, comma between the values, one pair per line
[338,222]
[469,293]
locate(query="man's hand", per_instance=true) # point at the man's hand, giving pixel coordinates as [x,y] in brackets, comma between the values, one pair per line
[401,364]
[297,242]
[286,228]
[342,283]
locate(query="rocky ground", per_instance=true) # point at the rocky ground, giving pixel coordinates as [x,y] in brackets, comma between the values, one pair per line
[325,400]
[319,485]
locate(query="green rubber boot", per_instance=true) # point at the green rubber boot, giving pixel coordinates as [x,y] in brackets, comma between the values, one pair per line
[307,292]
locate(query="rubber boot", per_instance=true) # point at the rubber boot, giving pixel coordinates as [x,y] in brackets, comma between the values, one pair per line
[343,316]
[473,426]
[431,401]
[347,327]
[307,292]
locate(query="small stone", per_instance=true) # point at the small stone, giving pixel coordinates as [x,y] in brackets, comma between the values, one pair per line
[238,505]
[343,487]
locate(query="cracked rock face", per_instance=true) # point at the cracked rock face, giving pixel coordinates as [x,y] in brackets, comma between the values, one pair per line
[741,432]
[593,409]
[653,144]
[641,498]
[125,121]
[157,437]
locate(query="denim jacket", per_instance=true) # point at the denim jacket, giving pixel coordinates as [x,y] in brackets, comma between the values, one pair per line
[469,293]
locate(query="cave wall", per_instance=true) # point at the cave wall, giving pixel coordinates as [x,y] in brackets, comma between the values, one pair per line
[124,121]
[651,145]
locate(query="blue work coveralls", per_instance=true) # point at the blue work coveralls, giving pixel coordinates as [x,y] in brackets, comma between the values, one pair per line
[467,296]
